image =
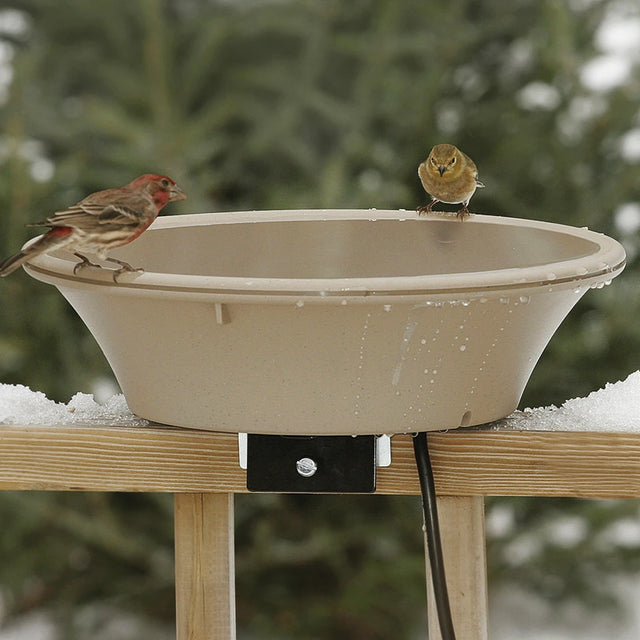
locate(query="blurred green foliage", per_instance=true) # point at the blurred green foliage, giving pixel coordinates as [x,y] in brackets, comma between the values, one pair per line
[305,103]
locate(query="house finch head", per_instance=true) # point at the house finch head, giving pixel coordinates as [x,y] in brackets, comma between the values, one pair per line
[102,221]
[450,176]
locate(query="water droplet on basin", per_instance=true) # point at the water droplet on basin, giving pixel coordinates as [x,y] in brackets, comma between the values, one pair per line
[343,302]
[300,303]
[525,299]
[387,307]
[423,341]
[463,347]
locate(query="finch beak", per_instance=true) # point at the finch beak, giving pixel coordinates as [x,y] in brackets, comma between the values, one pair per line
[441,170]
[176,193]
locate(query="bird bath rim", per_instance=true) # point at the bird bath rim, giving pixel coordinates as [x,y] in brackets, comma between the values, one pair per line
[601,263]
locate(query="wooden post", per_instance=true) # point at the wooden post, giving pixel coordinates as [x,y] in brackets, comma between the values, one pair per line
[464,552]
[499,462]
[205,577]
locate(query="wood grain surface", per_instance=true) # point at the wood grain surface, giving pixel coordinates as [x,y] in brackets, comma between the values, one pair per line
[466,462]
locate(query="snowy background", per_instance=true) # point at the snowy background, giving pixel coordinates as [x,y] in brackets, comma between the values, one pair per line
[282,104]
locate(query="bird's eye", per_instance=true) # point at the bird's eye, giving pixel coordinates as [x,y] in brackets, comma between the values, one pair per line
[433,161]
[453,160]
[164,182]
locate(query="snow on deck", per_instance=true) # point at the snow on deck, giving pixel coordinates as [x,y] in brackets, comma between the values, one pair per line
[19,405]
[615,408]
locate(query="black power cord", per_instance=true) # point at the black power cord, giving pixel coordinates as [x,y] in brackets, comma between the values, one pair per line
[434,545]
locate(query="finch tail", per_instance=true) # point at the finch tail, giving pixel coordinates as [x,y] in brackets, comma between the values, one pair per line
[44,243]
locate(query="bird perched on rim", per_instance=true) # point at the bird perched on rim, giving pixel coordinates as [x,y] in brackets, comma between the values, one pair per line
[102,221]
[449,176]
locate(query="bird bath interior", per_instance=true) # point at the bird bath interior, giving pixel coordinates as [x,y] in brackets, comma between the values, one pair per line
[333,321]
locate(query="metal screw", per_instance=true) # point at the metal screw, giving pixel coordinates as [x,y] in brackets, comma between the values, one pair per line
[306,467]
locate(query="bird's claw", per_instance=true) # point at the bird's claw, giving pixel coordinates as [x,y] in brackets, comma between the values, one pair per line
[84,262]
[125,269]
[425,208]
[463,213]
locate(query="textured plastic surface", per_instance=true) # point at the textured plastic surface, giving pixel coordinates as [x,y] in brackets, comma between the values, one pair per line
[333,322]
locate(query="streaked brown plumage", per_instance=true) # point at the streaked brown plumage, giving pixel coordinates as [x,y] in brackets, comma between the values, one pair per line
[449,176]
[102,221]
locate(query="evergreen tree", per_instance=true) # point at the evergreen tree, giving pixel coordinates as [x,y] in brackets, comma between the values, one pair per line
[312,103]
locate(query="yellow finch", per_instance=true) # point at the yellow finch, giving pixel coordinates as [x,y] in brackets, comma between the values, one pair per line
[450,176]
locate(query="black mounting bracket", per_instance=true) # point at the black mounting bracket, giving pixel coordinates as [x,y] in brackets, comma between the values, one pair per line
[313,464]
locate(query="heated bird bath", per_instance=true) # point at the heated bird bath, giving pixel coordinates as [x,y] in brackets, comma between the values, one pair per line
[332,322]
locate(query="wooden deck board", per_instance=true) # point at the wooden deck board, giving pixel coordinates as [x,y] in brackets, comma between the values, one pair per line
[466,462]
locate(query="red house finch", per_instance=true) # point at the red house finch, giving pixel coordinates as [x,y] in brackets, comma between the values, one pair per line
[450,176]
[102,221]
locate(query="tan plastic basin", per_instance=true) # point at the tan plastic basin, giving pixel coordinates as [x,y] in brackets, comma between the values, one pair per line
[333,322]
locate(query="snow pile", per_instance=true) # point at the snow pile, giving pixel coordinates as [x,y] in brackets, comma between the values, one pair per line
[20,405]
[615,408]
